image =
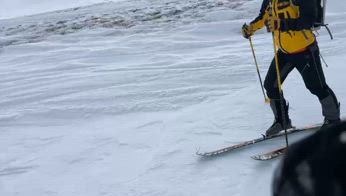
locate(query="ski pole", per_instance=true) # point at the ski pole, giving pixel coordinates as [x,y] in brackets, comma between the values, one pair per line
[279,82]
[280,90]
[266,99]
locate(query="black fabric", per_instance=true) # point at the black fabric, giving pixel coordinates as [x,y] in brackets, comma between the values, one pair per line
[308,16]
[320,14]
[265,5]
[315,166]
[278,108]
[308,64]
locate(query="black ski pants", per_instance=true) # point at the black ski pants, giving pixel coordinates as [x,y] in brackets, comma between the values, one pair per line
[308,64]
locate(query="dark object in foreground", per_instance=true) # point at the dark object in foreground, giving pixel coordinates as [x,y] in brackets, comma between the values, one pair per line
[315,166]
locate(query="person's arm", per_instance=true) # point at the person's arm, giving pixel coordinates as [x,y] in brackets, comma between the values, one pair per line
[308,14]
[258,22]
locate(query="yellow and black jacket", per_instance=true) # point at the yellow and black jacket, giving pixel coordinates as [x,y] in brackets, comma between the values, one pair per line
[297,19]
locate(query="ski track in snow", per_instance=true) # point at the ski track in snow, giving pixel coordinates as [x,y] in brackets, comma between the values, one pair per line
[115,99]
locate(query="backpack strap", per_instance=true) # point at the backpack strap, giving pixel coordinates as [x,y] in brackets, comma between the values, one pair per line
[328,30]
[330,33]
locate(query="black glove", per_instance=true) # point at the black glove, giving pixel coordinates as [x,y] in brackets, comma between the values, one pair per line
[247,31]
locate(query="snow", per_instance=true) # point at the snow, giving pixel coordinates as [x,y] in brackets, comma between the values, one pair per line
[17,8]
[115,99]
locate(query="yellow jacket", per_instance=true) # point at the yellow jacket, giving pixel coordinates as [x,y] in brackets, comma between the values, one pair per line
[297,19]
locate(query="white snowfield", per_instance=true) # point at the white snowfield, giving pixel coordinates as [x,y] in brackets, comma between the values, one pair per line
[18,8]
[114,99]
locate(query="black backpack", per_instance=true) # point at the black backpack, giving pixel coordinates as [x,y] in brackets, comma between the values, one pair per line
[321,8]
[320,18]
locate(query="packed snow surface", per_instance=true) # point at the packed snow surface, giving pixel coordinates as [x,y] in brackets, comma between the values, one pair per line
[115,98]
[18,8]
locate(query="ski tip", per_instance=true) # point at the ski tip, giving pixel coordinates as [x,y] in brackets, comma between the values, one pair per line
[263,157]
[203,154]
[208,154]
[270,155]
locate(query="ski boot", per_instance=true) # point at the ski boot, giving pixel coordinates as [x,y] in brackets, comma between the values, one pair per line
[278,125]
[330,111]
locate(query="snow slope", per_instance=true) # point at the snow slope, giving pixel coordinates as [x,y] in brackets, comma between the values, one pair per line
[17,8]
[115,98]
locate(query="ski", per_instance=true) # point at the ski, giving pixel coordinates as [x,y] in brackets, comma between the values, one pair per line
[254,141]
[270,155]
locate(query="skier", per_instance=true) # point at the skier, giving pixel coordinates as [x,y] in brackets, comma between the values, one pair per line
[291,23]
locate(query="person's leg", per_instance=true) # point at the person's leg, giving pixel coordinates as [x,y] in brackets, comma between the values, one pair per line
[272,89]
[314,80]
